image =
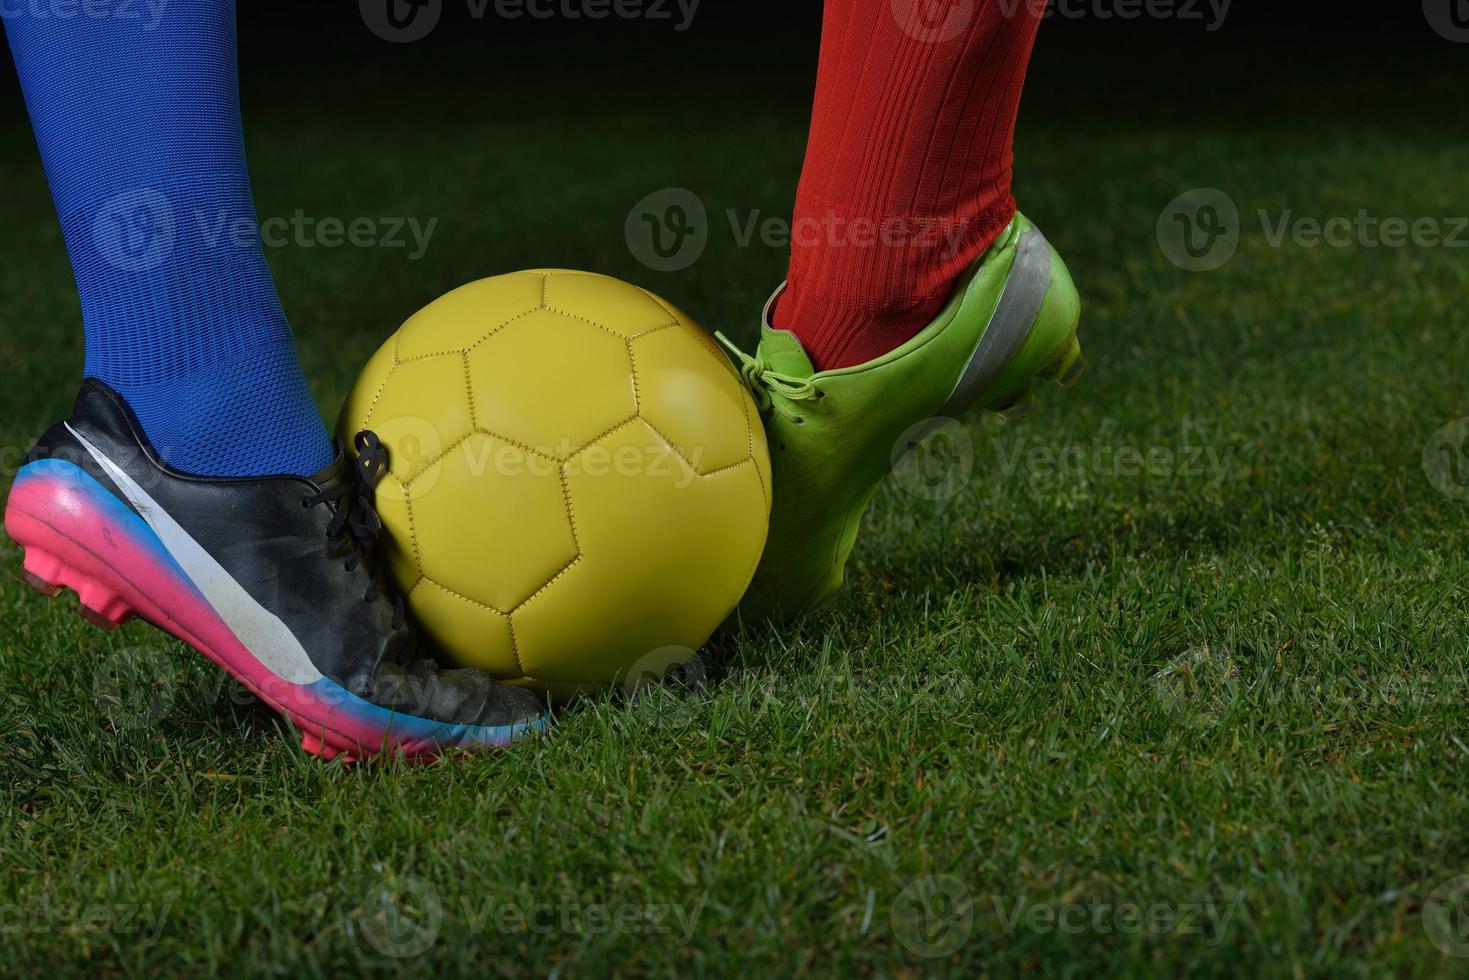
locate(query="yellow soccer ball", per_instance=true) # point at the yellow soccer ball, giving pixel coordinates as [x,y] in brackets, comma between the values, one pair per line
[578,485]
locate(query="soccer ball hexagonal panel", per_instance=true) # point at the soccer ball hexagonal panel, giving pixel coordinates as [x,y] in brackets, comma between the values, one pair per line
[700,411]
[477,635]
[585,295]
[544,358]
[458,319]
[421,411]
[665,554]
[490,521]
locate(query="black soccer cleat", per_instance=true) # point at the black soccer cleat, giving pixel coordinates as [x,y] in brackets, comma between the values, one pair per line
[270,578]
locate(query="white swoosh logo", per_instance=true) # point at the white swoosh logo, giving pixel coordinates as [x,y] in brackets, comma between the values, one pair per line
[268,639]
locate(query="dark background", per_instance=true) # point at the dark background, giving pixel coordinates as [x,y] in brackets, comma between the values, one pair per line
[1124,68]
[1138,68]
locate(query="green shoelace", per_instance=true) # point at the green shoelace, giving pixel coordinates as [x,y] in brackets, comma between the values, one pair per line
[773,390]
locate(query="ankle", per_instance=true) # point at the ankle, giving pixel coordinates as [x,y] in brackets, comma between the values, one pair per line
[851,305]
[248,416]
[844,330]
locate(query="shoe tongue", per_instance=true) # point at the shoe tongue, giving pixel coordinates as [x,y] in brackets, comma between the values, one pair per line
[784,353]
[336,473]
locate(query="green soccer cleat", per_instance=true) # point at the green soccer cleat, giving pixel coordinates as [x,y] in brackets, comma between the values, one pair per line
[833,434]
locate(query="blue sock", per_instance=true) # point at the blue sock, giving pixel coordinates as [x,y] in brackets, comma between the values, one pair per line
[137,114]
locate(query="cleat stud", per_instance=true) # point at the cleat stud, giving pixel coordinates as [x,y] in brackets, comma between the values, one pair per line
[101,606]
[311,742]
[1022,406]
[42,586]
[1068,365]
[43,571]
[98,619]
[1073,374]
[314,744]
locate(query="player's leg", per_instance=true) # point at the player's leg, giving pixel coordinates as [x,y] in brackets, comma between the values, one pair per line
[139,129]
[915,289]
[194,483]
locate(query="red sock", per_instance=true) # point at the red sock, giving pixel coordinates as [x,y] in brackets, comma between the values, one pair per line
[907,173]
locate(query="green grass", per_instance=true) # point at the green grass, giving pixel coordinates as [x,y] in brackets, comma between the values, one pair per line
[1077,689]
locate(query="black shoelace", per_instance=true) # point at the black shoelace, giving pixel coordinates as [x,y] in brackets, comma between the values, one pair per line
[354,515]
